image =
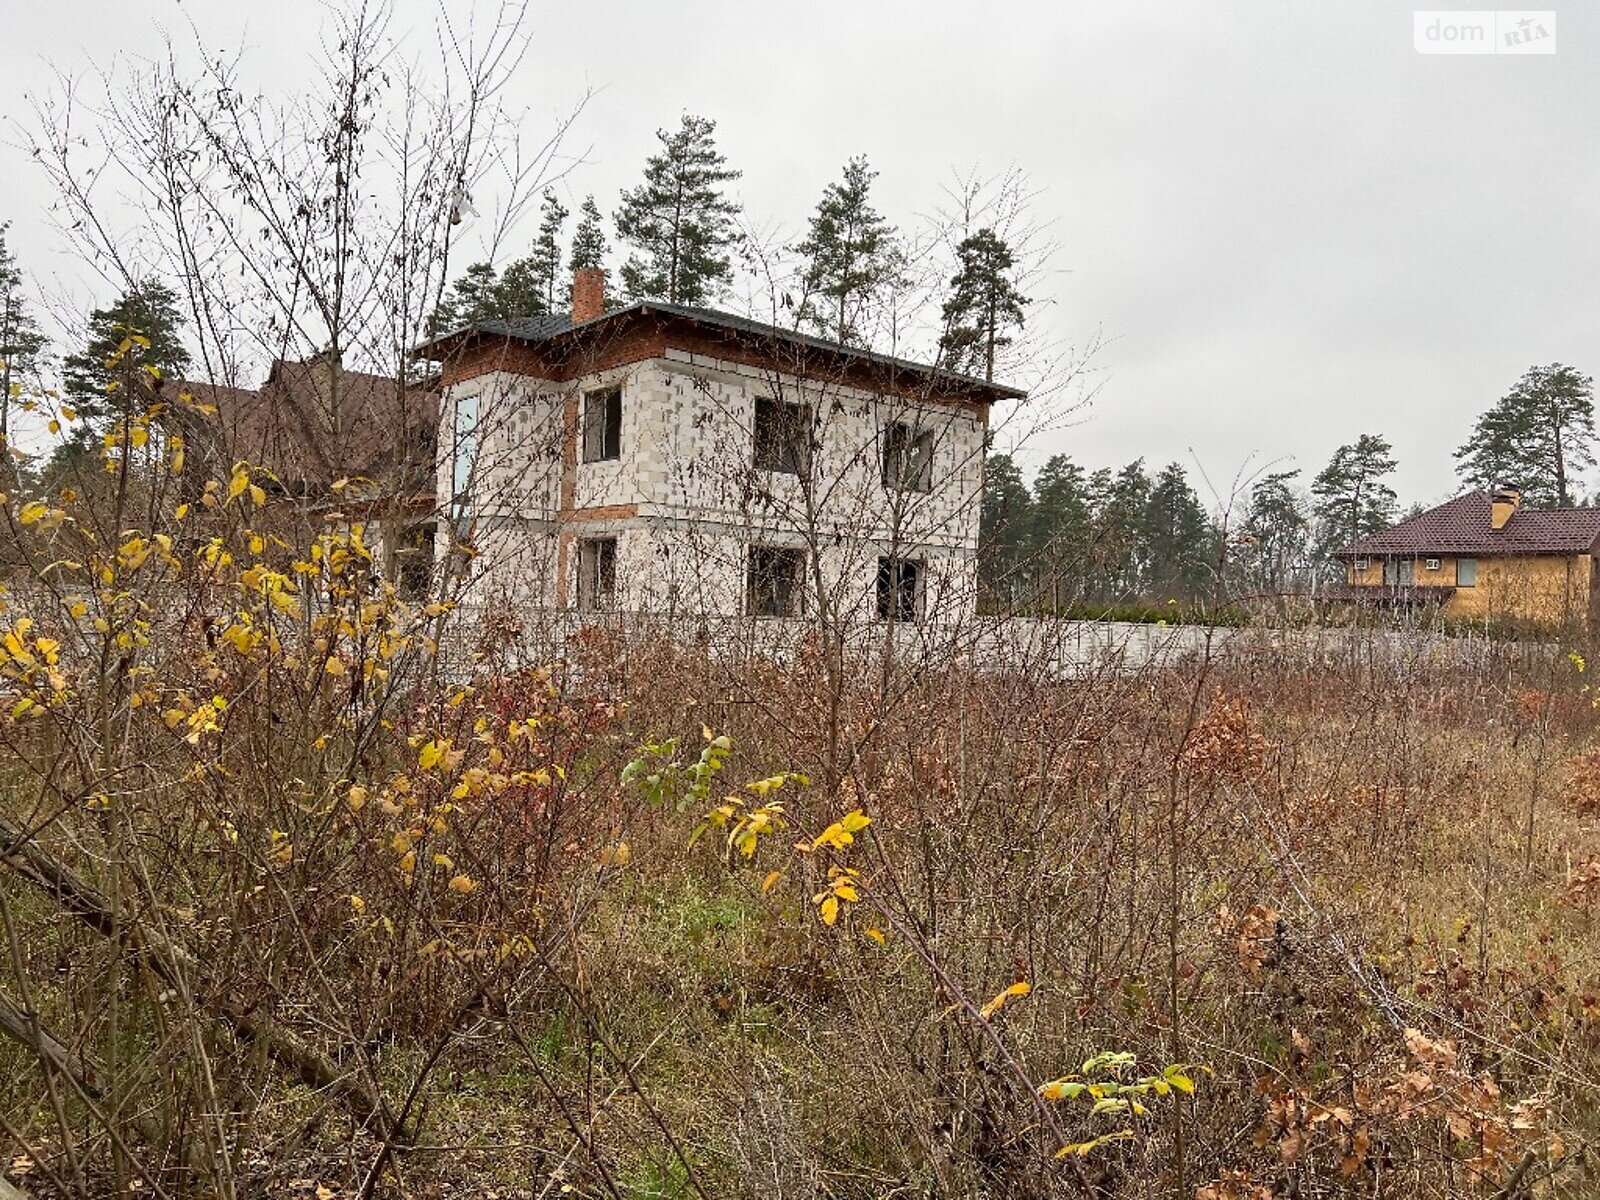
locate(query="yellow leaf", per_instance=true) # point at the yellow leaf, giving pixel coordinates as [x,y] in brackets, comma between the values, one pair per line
[444,862]
[1061,1089]
[462,884]
[830,910]
[834,835]
[770,882]
[240,481]
[430,756]
[618,855]
[334,666]
[358,797]
[258,495]
[1019,988]
[855,821]
[877,936]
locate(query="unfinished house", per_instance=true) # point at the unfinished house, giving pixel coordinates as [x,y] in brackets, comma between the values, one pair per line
[656,458]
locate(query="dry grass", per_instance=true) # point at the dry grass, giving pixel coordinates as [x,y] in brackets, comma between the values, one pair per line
[1355,899]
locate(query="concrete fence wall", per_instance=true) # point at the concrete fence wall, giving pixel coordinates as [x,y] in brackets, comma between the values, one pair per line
[1038,647]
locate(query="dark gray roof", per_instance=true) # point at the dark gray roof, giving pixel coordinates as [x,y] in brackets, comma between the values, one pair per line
[529,329]
[541,329]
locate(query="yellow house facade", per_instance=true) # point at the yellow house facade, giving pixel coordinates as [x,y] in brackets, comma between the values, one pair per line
[1481,557]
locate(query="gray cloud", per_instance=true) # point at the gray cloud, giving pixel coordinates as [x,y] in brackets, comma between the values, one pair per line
[1294,228]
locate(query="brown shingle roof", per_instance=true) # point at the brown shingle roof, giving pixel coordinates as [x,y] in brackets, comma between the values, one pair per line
[1461,526]
[289,426]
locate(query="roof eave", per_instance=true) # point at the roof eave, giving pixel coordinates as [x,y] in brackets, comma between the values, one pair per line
[988,392]
[998,391]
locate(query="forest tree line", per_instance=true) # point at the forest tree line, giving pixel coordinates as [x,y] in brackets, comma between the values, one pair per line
[1074,537]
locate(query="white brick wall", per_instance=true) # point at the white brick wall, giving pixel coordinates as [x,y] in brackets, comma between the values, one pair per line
[690,498]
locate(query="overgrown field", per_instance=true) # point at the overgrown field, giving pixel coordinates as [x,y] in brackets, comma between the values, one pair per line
[283,918]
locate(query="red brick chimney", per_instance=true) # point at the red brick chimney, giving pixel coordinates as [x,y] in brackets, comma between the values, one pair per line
[588,293]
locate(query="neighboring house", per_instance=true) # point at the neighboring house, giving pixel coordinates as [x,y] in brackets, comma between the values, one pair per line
[659,458]
[1481,556]
[332,440]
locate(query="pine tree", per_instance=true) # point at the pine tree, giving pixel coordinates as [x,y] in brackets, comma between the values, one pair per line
[21,345]
[472,298]
[1276,534]
[984,305]
[545,260]
[1061,531]
[1004,529]
[1116,554]
[523,289]
[848,253]
[1534,436]
[1177,542]
[589,240]
[1351,499]
[678,221]
[148,309]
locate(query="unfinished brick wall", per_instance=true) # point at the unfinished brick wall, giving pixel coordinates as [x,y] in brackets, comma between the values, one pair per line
[684,498]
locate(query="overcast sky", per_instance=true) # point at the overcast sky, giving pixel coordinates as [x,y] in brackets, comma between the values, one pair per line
[1291,226]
